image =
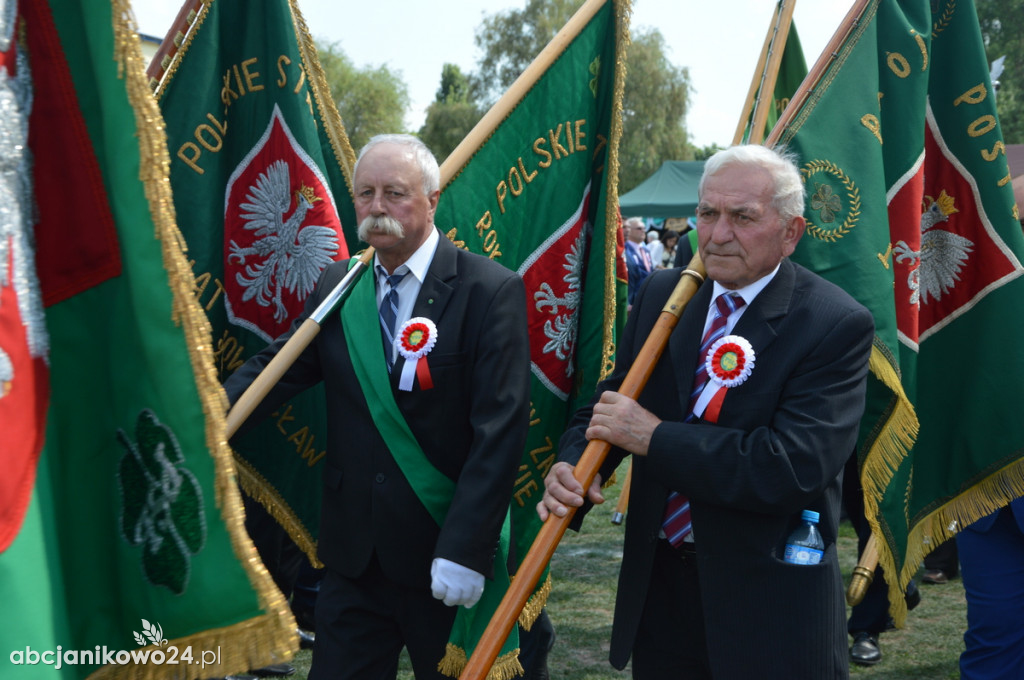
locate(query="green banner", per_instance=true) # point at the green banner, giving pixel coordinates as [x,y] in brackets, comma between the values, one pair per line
[259,163]
[134,546]
[539,195]
[910,209]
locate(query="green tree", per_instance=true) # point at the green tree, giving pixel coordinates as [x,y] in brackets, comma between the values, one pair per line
[371,100]
[1001,22]
[654,106]
[510,40]
[656,96]
[451,115]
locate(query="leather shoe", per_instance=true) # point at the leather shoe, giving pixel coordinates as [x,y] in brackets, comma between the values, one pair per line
[912,596]
[934,577]
[306,639]
[865,650]
[276,670]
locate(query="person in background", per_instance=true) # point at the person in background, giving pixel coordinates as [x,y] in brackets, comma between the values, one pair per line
[655,246]
[724,467]
[638,259]
[992,569]
[667,253]
[398,445]
[686,246]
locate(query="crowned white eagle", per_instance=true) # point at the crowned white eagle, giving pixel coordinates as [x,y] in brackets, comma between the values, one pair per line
[287,254]
[943,253]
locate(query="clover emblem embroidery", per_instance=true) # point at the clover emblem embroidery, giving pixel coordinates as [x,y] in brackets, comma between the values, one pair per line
[161,503]
[826,203]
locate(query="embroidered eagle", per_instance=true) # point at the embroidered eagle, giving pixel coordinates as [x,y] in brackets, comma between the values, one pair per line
[943,253]
[288,256]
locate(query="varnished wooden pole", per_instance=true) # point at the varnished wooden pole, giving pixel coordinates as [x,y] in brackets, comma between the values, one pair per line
[553,529]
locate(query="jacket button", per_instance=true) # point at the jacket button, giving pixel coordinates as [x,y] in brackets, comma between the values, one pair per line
[380,478]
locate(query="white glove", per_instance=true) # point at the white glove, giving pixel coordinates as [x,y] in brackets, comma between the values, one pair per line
[454,583]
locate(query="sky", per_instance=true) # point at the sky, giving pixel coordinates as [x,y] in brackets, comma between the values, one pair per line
[718,41]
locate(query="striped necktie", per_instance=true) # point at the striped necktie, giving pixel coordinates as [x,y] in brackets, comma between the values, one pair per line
[389,311]
[676,523]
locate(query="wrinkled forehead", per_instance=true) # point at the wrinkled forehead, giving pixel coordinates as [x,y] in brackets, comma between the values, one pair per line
[736,186]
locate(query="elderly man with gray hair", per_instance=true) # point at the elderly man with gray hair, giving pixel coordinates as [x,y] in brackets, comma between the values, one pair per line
[746,422]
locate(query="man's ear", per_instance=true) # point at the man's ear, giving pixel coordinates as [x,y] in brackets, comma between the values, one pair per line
[791,234]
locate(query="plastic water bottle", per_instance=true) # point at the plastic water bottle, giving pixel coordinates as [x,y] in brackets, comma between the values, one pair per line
[804,545]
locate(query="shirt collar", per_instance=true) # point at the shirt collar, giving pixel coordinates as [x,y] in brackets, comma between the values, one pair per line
[419,262]
[750,291]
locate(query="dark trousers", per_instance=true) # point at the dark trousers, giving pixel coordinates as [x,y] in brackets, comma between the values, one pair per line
[992,566]
[670,642]
[363,623]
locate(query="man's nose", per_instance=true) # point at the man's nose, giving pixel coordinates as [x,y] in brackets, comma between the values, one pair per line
[377,204]
[721,230]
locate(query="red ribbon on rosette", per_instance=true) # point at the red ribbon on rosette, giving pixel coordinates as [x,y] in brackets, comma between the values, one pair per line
[729,362]
[415,339]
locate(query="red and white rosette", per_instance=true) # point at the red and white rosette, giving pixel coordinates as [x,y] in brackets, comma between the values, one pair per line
[415,339]
[729,363]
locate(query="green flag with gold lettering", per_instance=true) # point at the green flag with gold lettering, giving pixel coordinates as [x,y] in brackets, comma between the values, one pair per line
[534,187]
[259,163]
[910,209]
[133,561]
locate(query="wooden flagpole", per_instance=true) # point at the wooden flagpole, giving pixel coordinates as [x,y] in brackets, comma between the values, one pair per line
[766,92]
[551,532]
[755,81]
[187,16]
[864,572]
[303,336]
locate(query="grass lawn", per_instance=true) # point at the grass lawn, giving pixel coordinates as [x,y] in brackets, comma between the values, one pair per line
[585,570]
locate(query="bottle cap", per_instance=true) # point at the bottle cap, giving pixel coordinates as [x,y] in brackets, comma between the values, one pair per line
[810,516]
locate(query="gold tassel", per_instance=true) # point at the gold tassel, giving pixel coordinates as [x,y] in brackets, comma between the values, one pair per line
[506,667]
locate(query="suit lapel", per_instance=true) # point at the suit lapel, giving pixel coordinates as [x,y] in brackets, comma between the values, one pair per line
[438,284]
[758,325]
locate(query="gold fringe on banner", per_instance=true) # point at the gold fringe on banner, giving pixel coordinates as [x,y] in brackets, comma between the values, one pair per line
[505,667]
[980,500]
[329,115]
[271,637]
[534,606]
[259,488]
[623,13]
[172,68]
[891,443]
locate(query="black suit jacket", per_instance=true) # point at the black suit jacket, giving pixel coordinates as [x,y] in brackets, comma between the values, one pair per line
[778,448]
[471,425]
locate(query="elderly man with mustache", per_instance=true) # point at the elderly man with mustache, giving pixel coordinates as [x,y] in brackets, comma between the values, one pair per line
[426,371]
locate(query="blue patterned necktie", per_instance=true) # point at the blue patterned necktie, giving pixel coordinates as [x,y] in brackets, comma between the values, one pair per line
[676,523]
[389,311]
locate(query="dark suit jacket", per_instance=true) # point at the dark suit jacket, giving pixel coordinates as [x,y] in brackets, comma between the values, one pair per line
[778,448]
[471,425]
[636,270]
